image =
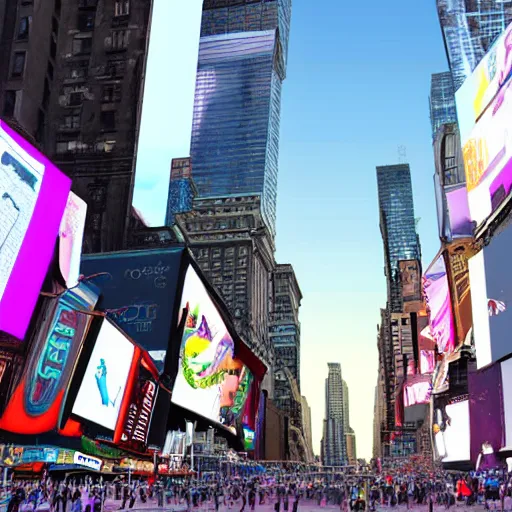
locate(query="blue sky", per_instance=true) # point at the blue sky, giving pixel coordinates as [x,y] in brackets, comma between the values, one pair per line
[357,88]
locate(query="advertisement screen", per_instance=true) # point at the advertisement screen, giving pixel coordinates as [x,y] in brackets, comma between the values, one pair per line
[483,84]
[427,361]
[437,294]
[211,381]
[506,379]
[166,120]
[410,277]
[451,432]
[71,236]
[102,388]
[417,392]
[33,196]
[137,293]
[36,403]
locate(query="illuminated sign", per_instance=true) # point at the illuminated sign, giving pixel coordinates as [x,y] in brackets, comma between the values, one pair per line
[87,461]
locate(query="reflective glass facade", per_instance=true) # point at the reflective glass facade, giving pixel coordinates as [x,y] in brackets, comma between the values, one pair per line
[442,101]
[235,130]
[469,29]
[398,226]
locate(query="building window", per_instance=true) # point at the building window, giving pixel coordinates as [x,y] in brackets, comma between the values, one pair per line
[72,122]
[82,45]
[116,68]
[23,28]
[75,99]
[111,93]
[86,21]
[9,103]
[18,64]
[122,8]
[120,39]
[108,120]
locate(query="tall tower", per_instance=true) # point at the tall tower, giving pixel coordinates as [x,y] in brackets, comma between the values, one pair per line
[334,445]
[469,29]
[442,101]
[235,132]
[397,225]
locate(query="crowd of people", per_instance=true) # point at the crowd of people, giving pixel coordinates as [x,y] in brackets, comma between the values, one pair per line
[277,488]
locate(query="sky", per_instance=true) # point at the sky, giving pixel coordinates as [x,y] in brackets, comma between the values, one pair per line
[357,88]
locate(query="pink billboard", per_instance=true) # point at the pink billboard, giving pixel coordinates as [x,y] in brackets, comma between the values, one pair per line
[33,196]
[437,294]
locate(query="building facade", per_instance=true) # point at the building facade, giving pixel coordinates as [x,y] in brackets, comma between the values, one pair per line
[182,189]
[442,101]
[469,29]
[70,77]
[350,439]
[397,225]
[334,444]
[235,131]
[307,429]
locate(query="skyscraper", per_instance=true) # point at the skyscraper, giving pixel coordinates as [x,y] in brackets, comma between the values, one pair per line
[397,225]
[442,101]
[334,444]
[235,132]
[469,28]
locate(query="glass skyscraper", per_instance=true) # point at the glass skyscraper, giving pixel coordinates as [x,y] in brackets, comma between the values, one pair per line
[442,101]
[397,224]
[469,29]
[235,132]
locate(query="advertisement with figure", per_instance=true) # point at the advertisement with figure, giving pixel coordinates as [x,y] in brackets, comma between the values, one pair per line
[103,385]
[211,381]
[33,195]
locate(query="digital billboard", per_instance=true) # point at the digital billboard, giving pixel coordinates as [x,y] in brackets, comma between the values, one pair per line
[452,432]
[167,103]
[138,290]
[410,278]
[71,234]
[438,299]
[33,196]
[492,281]
[211,382]
[417,391]
[102,389]
[481,87]
[37,402]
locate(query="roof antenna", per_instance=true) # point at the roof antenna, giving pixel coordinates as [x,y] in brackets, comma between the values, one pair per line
[402,154]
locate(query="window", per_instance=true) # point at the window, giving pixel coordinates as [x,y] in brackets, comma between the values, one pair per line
[18,64]
[108,120]
[120,39]
[23,28]
[71,121]
[82,45]
[86,21]
[122,8]
[9,103]
[75,99]
[111,93]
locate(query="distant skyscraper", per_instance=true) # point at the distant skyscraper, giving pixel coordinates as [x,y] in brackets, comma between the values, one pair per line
[469,28]
[235,132]
[181,189]
[306,427]
[442,101]
[398,226]
[334,444]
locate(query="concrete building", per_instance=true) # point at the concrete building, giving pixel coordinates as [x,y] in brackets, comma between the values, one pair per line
[307,429]
[334,447]
[442,101]
[350,439]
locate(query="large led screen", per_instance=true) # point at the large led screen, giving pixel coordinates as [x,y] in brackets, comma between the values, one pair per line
[506,382]
[451,431]
[33,196]
[211,381]
[137,293]
[437,293]
[167,104]
[417,391]
[491,280]
[102,389]
[483,84]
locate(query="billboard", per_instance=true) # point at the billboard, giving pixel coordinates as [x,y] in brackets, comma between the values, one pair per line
[71,234]
[211,382]
[492,281]
[33,196]
[138,289]
[410,277]
[167,103]
[452,432]
[37,402]
[438,299]
[103,385]
[417,391]
[481,87]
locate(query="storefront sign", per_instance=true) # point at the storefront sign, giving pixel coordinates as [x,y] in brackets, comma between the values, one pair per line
[66,457]
[89,462]
[37,454]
